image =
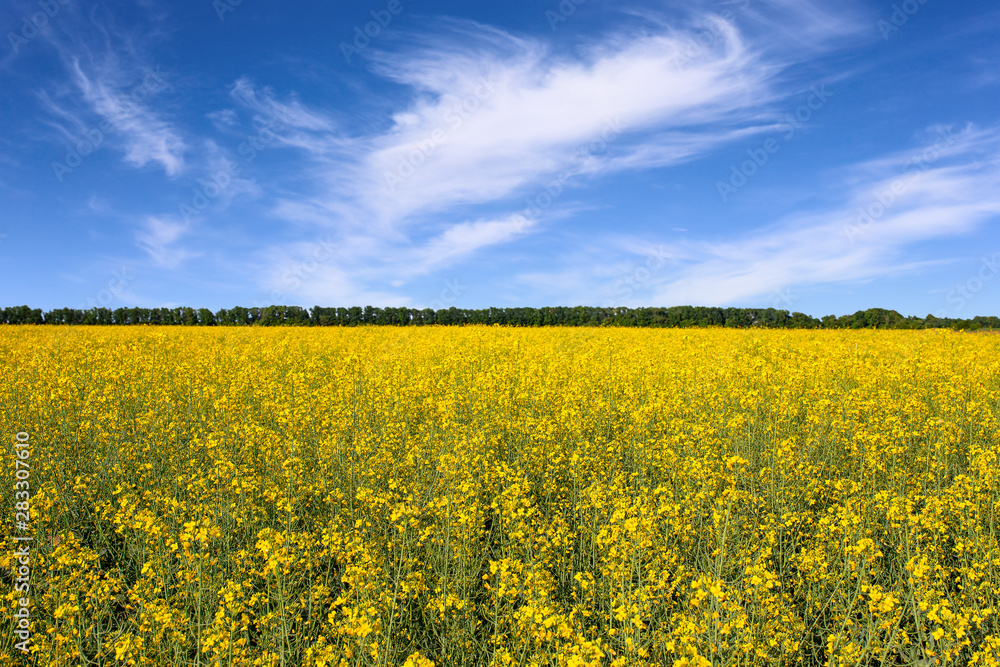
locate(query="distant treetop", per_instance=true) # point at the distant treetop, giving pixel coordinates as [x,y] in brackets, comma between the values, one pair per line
[577,316]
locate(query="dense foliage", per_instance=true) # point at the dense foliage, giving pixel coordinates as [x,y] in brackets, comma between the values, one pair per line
[579,316]
[377,497]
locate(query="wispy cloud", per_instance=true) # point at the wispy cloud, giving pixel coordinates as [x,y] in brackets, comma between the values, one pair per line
[952,191]
[490,120]
[493,115]
[292,113]
[146,136]
[461,241]
[112,82]
[160,237]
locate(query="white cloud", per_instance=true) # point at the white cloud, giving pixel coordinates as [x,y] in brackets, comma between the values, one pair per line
[499,117]
[223,119]
[269,109]
[461,241]
[159,237]
[888,206]
[112,84]
[146,136]
[494,117]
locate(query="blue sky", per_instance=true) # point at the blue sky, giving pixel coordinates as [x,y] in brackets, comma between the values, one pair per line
[815,157]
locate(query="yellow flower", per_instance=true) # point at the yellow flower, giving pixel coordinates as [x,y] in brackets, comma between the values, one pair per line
[417,660]
[540,496]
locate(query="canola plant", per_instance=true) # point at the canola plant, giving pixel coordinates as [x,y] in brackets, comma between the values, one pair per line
[383,496]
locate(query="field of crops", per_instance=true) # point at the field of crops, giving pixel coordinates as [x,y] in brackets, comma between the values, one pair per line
[499,496]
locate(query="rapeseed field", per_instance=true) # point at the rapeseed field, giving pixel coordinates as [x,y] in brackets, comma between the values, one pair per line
[498,496]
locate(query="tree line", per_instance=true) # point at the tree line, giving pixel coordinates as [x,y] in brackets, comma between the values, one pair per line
[578,316]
